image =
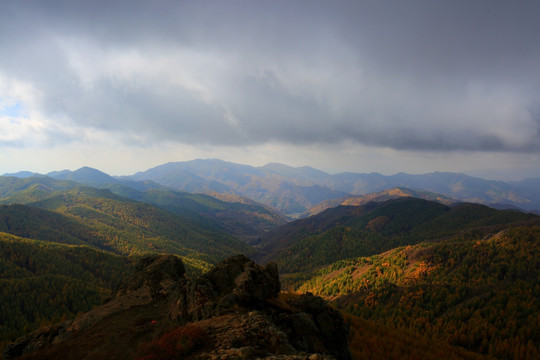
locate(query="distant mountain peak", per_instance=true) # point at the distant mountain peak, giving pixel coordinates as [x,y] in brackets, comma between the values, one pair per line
[22,174]
[84,175]
[88,168]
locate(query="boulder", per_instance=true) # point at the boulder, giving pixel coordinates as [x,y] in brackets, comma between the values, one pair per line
[157,274]
[237,281]
[331,328]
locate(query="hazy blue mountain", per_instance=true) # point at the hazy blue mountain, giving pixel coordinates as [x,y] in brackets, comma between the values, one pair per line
[173,175]
[55,174]
[22,174]
[305,173]
[211,169]
[531,185]
[294,190]
[454,185]
[275,185]
[84,175]
[358,184]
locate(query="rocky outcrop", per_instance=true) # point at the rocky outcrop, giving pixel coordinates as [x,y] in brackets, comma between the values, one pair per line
[155,276]
[315,320]
[238,304]
[235,281]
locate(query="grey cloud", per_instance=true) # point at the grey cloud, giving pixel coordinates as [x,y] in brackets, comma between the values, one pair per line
[418,75]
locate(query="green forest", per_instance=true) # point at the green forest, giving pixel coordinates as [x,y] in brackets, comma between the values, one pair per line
[65,253]
[43,282]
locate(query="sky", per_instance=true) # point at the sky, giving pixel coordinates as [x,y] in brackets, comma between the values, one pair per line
[361,86]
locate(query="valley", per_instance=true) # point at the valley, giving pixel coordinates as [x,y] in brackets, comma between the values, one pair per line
[444,260]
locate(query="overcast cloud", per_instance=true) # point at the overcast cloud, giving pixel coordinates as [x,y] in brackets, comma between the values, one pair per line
[404,75]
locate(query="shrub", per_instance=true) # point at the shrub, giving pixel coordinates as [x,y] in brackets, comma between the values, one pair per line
[173,344]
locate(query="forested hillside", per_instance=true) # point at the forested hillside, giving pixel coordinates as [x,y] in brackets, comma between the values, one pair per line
[125,226]
[24,190]
[477,292]
[243,219]
[348,231]
[42,282]
[63,252]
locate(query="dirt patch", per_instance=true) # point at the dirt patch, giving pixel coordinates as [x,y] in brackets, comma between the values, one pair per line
[360,271]
[333,274]
[414,254]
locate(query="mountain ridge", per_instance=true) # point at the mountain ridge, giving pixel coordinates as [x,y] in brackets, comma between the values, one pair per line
[375,227]
[387,194]
[242,219]
[295,190]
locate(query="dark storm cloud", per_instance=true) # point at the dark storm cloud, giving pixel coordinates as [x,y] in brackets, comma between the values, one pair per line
[421,75]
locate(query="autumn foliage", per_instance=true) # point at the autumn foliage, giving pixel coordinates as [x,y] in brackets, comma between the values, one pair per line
[476,292]
[173,344]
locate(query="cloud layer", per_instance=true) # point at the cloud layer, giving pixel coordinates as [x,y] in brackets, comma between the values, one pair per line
[414,75]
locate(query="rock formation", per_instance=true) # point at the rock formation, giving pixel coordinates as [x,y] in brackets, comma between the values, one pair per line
[237,305]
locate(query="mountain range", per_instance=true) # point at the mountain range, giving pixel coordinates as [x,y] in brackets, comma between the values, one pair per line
[294,191]
[444,260]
